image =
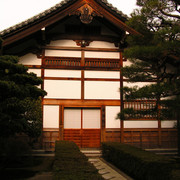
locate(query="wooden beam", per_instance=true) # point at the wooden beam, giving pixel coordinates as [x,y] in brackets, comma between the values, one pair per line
[82,48]
[82,78]
[81,103]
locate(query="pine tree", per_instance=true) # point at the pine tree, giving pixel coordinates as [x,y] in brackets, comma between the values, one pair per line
[155,57]
[17,88]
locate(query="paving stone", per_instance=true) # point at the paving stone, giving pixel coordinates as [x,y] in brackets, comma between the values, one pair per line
[100,167]
[108,176]
[103,171]
[108,172]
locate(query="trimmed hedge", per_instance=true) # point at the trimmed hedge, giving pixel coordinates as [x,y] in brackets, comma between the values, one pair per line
[70,163]
[138,163]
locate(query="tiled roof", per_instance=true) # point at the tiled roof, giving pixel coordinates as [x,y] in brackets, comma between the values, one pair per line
[50,10]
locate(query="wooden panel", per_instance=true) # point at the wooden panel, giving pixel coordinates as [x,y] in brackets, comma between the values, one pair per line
[169,138]
[144,138]
[49,138]
[73,135]
[91,138]
[84,137]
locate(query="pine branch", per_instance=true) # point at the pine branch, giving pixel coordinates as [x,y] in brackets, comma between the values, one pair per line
[169,15]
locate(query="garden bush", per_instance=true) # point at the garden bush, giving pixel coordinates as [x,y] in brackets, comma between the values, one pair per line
[14,153]
[138,163]
[70,163]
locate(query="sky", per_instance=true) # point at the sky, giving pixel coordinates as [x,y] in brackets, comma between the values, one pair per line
[15,11]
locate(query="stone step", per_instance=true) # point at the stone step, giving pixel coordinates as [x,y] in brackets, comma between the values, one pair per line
[92,153]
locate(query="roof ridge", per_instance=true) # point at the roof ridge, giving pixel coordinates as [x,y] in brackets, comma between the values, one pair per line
[48,11]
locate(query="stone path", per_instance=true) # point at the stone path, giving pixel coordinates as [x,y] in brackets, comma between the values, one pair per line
[108,171]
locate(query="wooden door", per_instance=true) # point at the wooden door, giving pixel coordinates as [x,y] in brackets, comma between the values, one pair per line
[82,126]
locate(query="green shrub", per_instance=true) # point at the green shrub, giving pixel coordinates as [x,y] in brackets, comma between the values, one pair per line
[70,163]
[138,163]
[14,153]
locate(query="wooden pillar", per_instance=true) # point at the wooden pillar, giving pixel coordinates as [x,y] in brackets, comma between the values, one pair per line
[42,68]
[81,131]
[42,104]
[121,99]
[103,133]
[82,73]
[61,122]
[159,128]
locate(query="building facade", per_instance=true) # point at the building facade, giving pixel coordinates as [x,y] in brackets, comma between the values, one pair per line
[76,48]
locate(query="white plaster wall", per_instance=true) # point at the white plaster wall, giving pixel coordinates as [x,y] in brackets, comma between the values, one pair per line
[102,90]
[107,55]
[102,74]
[91,118]
[64,43]
[102,44]
[35,71]
[62,73]
[62,53]
[168,124]
[111,114]
[72,118]
[51,116]
[140,124]
[29,59]
[63,89]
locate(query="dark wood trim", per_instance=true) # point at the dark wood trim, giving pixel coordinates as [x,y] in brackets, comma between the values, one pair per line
[103,123]
[42,77]
[34,66]
[83,68]
[159,127]
[82,74]
[51,129]
[81,103]
[62,78]
[82,58]
[100,79]
[141,129]
[79,79]
[82,84]
[81,49]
